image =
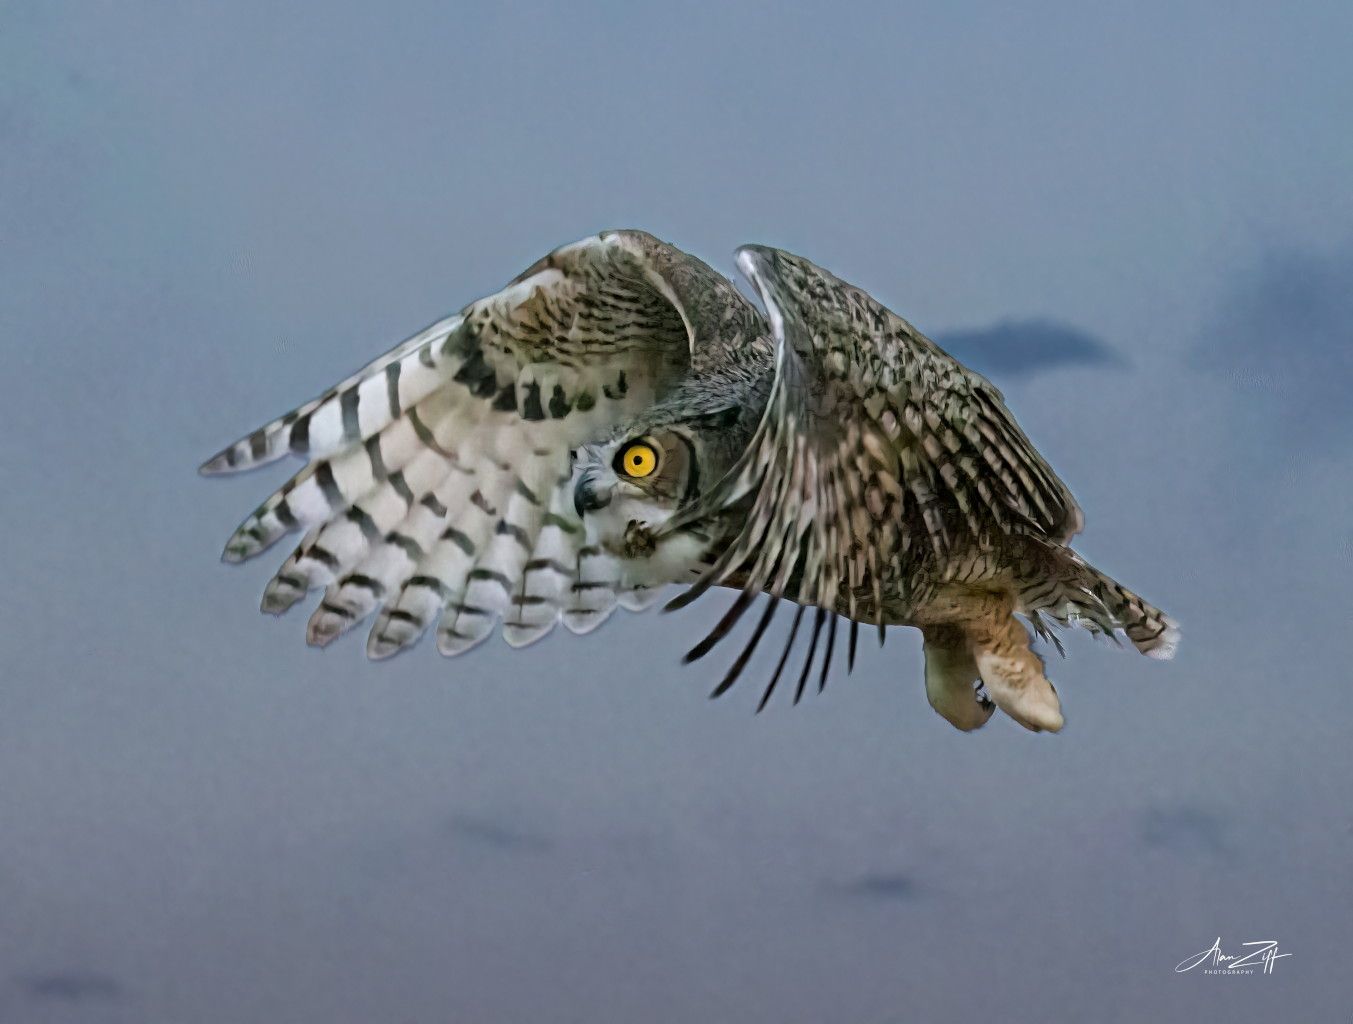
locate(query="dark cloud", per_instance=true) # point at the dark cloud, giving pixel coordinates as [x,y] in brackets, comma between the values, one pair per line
[1282,336]
[881,888]
[1187,829]
[490,833]
[1025,347]
[70,986]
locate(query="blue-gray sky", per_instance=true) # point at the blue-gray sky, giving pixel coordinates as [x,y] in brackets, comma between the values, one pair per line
[209,213]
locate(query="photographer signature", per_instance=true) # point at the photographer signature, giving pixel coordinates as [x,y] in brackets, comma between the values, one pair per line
[1264,957]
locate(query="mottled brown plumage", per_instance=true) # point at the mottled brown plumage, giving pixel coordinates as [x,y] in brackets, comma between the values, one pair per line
[827,454]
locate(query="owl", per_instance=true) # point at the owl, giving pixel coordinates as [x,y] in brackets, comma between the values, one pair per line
[619,418]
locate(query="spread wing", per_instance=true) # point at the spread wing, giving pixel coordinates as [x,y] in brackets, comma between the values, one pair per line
[437,486]
[876,450]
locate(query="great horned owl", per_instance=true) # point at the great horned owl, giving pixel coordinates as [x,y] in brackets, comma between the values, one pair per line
[619,418]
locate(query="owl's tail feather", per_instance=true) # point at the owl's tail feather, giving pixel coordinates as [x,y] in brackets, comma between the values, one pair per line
[1073,592]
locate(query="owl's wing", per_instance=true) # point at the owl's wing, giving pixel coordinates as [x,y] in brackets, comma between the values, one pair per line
[873,441]
[437,481]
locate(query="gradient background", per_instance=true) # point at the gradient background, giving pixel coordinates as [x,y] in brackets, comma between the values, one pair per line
[1138,221]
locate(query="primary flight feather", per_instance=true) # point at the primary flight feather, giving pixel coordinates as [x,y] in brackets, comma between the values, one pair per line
[619,418]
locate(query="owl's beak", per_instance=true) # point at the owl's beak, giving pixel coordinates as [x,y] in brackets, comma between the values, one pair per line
[590,493]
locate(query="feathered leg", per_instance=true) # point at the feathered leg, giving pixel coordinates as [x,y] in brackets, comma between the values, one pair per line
[951,674]
[969,628]
[1013,673]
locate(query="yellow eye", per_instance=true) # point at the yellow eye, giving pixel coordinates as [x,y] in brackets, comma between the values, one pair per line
[638,460]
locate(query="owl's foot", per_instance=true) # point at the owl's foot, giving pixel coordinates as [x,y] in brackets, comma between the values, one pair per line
[952,681]
[639,542]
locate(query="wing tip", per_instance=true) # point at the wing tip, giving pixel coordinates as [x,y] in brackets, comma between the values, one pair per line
[325,626]
[280,596]
[380,646]
[518,636]
[242,546]
[258,449]
[451,642]
[219,464]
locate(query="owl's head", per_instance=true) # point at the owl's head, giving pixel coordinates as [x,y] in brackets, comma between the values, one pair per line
[628,486]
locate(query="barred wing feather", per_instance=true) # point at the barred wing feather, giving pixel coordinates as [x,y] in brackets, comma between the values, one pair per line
[437,487]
